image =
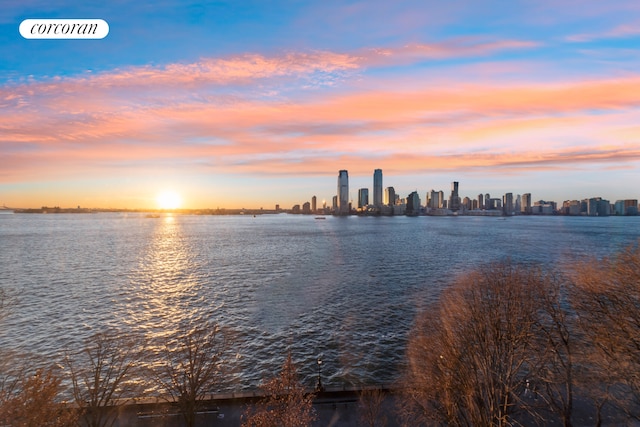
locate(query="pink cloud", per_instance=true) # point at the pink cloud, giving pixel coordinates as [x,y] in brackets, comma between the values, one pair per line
[74,126]
[620,31]
[460,47]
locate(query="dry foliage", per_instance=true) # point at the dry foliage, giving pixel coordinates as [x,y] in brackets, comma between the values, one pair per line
[191,367]
[286,404]
[561,349]
[35,402]
[370,407]
[470,355]
[608,296]
[101,375]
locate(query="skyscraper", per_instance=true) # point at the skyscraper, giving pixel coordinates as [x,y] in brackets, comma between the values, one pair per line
[525,206]
[389,196]
[454,199]
[313,204]
[413,204]
[377,188]
[507,204]
[343,192]
[363,197]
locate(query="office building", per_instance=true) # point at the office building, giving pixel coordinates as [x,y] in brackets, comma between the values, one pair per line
[525,205]
[389,196]
[626,207]
[467,204]
[377,188]
[363,198]
[434,199]
[313,204]
[597,206]
[507,204]
[454,199]
[343,192]
[413,204]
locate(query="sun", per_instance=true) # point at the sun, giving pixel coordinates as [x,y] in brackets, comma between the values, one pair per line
[169,200]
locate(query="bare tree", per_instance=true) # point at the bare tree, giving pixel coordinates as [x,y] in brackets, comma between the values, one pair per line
[11,373]
[286,404]
[3,302]
[101,376]
[36,402]
[560,349]
[608,294]
[470,355]
[370,407]
[191,367]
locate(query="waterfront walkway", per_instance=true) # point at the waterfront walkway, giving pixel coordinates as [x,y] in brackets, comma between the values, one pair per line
[335,407]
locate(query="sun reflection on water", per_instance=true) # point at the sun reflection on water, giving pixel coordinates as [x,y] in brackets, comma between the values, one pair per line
[166,283]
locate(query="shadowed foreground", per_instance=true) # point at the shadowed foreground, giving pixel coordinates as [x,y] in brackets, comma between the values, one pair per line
[334,407]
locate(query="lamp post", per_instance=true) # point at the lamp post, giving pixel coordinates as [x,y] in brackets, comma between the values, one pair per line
[319,385]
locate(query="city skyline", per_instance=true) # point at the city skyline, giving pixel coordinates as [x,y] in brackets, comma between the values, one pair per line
[229,105]
[437,204]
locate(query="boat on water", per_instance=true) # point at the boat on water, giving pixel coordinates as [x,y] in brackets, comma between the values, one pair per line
[5,210]
[321,217]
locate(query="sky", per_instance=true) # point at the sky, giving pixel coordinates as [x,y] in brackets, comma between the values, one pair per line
[256,103]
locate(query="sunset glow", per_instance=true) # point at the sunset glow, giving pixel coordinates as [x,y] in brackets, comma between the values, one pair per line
[263,109]
[169,200]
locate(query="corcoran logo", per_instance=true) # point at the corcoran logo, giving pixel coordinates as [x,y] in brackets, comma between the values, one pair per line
[64,28]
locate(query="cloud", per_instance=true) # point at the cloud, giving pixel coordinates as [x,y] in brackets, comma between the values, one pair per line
[460,47]
[618,32]
[233,115]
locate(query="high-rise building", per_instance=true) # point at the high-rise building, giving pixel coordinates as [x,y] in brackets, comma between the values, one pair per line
[343,192]
[525,205]
[454,199]
[466,203]
[313,204]
[480,201]
[434,199]
[389,196]
[507,204]
[363,198]
[377,188]
[413,204]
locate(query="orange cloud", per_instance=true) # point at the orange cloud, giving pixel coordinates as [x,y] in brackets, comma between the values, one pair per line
[620,31]
[144,117]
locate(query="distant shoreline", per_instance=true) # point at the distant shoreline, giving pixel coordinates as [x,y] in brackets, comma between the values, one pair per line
[254,212]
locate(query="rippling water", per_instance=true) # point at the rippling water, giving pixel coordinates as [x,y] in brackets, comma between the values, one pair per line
[344,288]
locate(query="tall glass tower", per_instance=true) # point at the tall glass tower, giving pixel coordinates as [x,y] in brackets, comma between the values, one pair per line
[454,199]
[343,192]
[377,188]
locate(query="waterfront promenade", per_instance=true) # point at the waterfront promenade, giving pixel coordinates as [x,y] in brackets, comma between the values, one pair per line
[335,407]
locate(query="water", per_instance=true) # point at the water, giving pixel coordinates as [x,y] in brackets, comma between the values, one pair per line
[347,289]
